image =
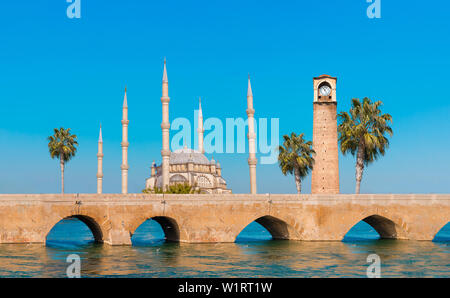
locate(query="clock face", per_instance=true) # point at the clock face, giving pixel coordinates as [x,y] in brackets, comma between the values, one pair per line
[325,90]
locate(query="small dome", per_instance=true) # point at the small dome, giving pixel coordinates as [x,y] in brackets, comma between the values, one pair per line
[218,165]
[185,155]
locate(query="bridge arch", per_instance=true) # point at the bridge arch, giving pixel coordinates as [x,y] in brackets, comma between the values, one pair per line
[385,227]
[278,228]
[168,224]
[443,234]
[90,222]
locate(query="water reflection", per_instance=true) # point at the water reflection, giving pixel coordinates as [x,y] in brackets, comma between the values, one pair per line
[249,258]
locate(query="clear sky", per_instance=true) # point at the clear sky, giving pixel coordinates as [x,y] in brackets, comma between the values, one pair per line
[57,71]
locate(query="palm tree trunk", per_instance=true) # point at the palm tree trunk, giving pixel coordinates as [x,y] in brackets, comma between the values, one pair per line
[298,181]
[61,160]
[359,167]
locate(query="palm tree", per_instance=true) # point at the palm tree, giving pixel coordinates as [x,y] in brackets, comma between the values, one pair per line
[296,157]
[62,145]
[363,131]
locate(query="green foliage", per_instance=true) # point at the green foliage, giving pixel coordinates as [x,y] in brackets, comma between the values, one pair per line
[62,144]
[178,188]
[364,128]
[296,155]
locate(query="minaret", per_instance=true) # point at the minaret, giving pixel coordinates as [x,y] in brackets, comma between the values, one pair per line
[252,161]
[165,126]
[124,144]
[153,169]
[100,163]
[219,169]
[212,166]
[200,127]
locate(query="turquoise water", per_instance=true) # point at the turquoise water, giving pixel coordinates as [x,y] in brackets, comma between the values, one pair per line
[253,255]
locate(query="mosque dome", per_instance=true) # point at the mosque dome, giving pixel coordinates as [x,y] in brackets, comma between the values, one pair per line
[186,155]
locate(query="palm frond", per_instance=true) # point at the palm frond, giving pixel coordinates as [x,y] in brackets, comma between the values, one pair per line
[364,125]
[62,144]
[296,153]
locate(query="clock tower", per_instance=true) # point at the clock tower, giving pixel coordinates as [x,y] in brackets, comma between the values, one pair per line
[325,174]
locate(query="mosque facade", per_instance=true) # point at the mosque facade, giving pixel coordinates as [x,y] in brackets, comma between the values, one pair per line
[183,166]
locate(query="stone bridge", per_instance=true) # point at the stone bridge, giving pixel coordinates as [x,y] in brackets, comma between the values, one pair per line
[113,218]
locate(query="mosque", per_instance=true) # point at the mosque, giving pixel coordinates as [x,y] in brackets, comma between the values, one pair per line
[191,167]
[183,166]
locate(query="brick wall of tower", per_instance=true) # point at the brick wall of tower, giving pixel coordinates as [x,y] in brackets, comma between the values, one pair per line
[325,175]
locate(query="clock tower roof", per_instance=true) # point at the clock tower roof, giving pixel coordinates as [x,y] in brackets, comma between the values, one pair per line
[325,76]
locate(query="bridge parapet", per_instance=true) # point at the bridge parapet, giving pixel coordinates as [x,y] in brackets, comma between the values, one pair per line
[54,198]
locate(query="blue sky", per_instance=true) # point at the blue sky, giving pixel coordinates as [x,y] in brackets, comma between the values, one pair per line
[66,72]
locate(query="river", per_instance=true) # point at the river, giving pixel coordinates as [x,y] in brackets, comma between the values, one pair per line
[252,255]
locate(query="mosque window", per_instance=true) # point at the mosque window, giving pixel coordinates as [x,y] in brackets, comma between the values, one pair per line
[203,181]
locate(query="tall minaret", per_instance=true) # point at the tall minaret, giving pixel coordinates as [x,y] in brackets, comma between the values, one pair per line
[165,126]
[100,163]
[200,127]
[252,161]
[124,144]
